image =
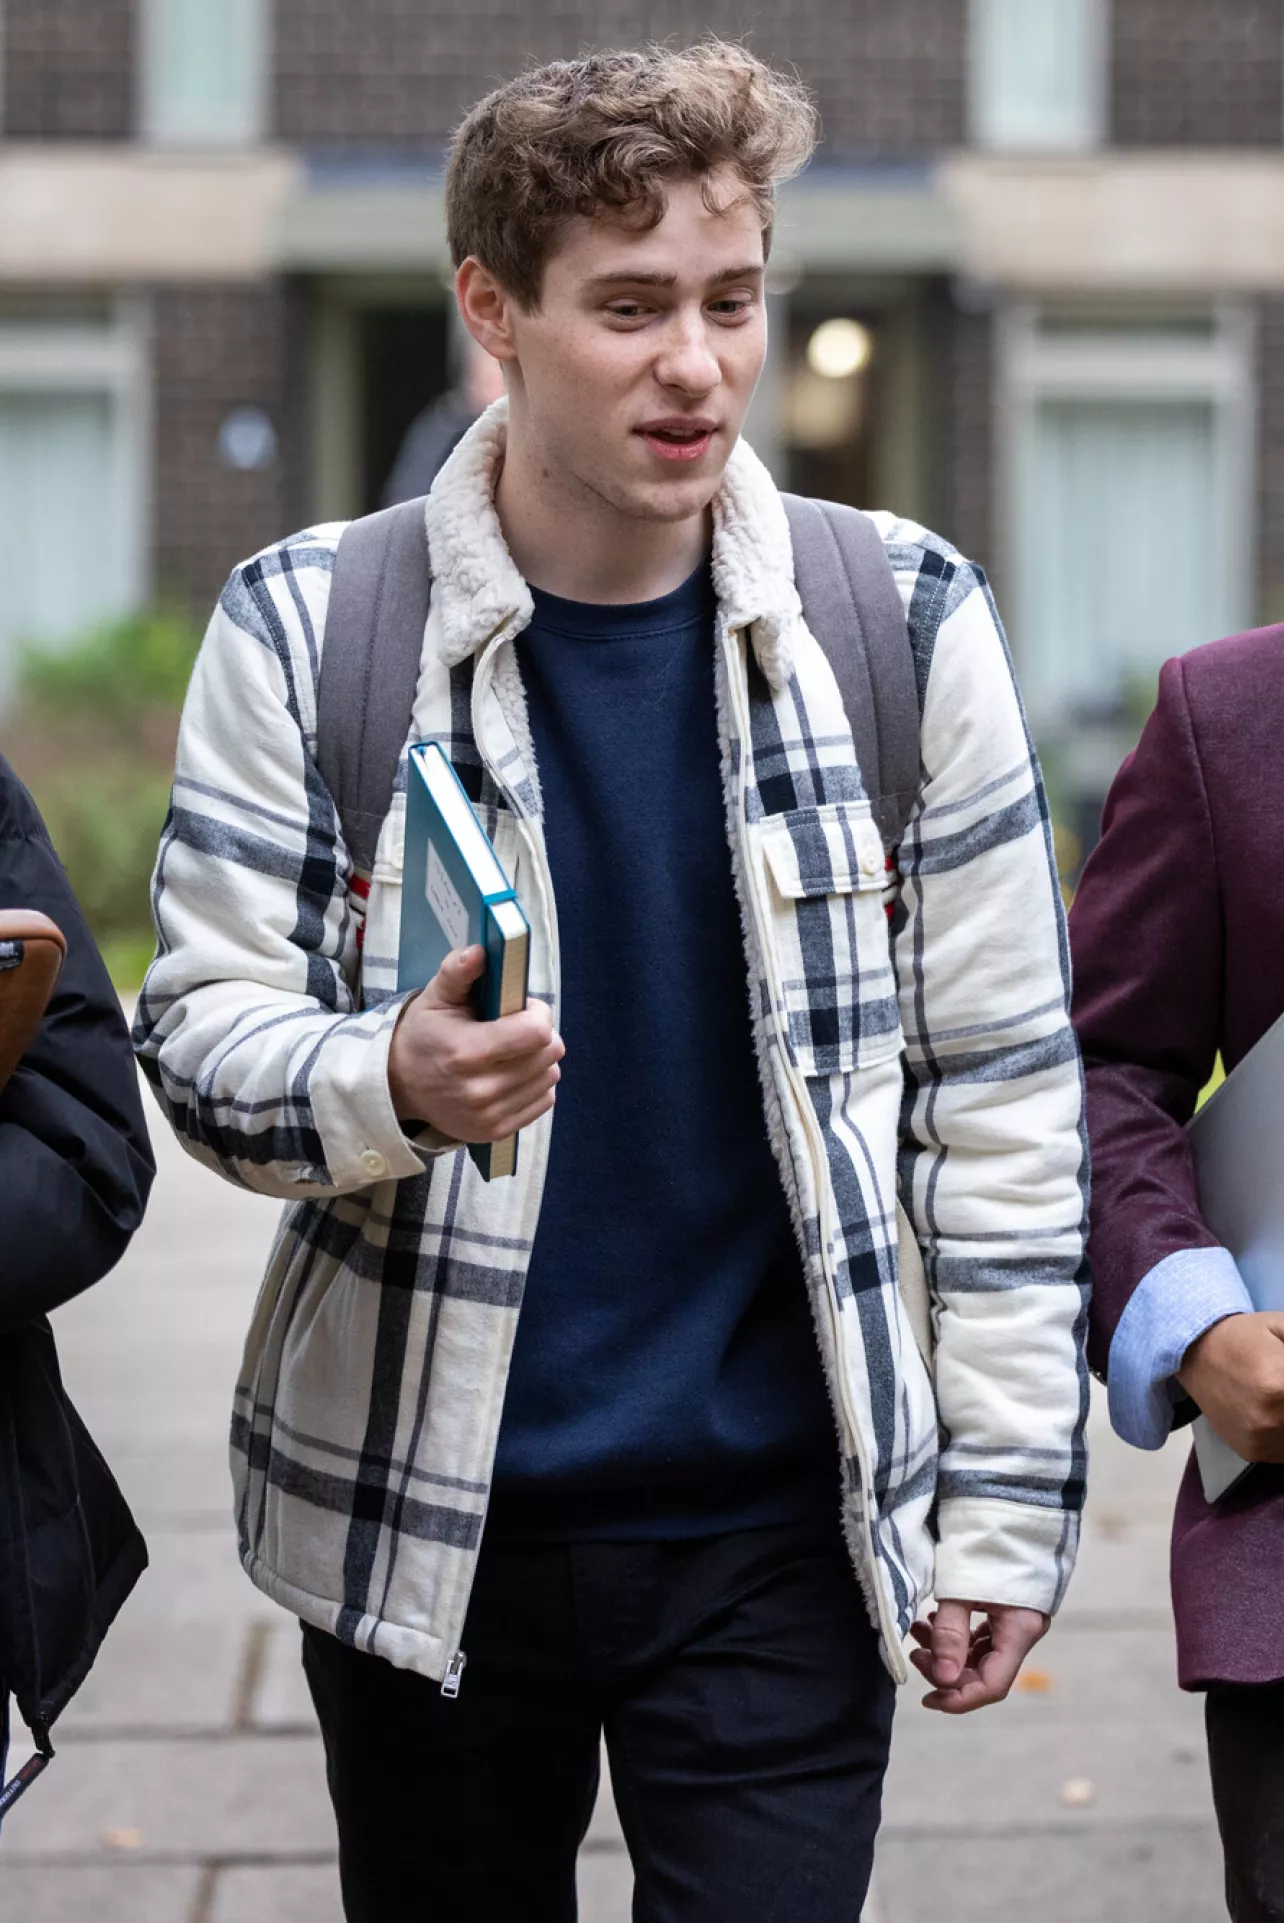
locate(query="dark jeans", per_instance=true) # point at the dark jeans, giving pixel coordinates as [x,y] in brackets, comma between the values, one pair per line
[746,1714]
[1245,1724]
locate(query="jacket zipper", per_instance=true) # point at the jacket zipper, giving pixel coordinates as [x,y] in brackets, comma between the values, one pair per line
[846,1414]
[481,680]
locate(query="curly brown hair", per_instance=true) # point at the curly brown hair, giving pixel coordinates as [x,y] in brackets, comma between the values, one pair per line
[605,134]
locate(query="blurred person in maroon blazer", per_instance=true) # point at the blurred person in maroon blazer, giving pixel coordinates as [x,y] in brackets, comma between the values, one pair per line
[1177,934]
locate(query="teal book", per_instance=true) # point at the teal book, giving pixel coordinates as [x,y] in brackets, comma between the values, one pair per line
[455,895]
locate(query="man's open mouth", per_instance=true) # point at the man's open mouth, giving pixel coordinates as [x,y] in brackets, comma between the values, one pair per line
[678,440]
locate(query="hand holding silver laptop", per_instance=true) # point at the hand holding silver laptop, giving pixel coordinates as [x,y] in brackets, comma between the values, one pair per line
[1235,1372]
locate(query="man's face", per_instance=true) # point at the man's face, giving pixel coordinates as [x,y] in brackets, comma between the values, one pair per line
[633,376]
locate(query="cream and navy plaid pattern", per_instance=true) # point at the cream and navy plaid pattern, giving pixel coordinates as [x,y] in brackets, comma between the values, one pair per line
[932,1051]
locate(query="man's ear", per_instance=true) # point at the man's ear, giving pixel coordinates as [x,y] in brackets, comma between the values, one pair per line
[486,309]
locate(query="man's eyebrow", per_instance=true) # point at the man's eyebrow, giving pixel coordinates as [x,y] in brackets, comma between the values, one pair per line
[633,277]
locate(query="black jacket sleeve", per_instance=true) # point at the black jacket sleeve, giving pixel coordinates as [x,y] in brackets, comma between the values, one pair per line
[75,1161]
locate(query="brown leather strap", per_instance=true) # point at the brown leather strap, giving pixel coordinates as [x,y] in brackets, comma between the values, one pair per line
[31,955]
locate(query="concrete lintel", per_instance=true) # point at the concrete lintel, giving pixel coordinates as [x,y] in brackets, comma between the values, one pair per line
[105,214]
[866,225]
[1134,223]
[1127,222]
[364,226]
[825,225]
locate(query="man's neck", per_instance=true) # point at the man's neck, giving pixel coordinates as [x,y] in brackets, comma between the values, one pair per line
[575,544]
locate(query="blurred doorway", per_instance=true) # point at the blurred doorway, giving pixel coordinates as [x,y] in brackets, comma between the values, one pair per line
[405,365]
[853,387]
[381,352]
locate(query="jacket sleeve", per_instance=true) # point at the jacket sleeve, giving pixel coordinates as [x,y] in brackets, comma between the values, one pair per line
[1147,934]
[994,1165]
[247,1027]
[75,1161]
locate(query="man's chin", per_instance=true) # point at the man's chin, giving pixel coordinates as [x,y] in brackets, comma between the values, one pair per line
[669,500]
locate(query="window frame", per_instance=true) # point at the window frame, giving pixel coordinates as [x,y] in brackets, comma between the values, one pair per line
[111,359]
[1131,364]
[985,129]
[159,128]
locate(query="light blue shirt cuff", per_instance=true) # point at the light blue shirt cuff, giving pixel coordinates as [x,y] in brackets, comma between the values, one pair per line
[1173,1304]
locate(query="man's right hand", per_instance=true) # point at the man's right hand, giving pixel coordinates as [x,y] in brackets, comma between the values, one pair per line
[474,1081]
[1235,1372]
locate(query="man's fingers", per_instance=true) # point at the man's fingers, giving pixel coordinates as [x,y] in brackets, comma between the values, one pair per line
[518,1038]
[992,1660]
[513,1038]
[997,1669]
[451,986]
[478,1047]
[508,1099]
[537,1108]
[951,1636]
[969,1693]
[986,1679]
[520,1116]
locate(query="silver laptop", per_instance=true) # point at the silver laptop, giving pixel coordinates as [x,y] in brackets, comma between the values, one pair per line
[1237,1140]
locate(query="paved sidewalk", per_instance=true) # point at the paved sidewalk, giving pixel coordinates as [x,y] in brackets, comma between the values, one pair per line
[188,1785]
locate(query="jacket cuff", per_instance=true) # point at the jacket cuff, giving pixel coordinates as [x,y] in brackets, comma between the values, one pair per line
[430,1142]
[1016,1553]
[360,1129]
[1171,1306]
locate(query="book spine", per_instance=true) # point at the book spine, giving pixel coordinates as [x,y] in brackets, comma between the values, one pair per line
[502,992]
[495,1159]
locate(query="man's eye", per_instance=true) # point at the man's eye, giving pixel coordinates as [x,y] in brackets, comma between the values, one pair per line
[627,310]
[732,306]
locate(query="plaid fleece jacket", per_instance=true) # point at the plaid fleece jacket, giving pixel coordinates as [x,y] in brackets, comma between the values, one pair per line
[940,1059]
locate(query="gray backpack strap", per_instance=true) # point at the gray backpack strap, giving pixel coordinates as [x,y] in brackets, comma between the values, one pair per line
[852,606]
[374,633]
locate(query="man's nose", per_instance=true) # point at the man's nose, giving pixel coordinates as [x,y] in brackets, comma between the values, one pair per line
[687,361]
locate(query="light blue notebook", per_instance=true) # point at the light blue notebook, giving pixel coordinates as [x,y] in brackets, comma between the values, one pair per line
[454,895]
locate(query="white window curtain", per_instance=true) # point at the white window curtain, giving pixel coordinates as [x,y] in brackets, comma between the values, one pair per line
[1037,76]
[65,555]
[204,71]
[1121,546]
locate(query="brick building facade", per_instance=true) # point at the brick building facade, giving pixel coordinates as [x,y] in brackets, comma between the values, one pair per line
[399,73]
[1186,74]
[1043,265]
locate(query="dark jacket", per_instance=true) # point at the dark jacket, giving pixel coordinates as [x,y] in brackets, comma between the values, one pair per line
[1177,934]
[75,1170]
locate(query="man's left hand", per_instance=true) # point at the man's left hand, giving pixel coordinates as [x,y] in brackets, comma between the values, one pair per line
[969,1667]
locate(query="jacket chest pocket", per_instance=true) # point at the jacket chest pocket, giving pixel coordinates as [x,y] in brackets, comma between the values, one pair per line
[828,882]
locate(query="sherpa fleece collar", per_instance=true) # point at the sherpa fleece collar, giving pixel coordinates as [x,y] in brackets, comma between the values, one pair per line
[479,590]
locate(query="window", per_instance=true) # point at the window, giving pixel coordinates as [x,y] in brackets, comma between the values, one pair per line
[204,71]
[72,451]
[1130,501]
[1038,73]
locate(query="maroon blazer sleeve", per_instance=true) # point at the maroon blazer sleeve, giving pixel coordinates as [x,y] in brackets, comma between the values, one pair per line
[1147,942]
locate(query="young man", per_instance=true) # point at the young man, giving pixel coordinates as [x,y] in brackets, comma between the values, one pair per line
[1178,930]
[702,1240]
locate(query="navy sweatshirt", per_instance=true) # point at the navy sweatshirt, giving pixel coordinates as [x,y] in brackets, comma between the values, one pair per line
[666,1379]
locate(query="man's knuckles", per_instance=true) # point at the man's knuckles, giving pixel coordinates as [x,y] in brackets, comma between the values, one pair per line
[1261,1431]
